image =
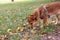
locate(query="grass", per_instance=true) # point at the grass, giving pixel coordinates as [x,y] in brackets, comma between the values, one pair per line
[13,14]
[16,12]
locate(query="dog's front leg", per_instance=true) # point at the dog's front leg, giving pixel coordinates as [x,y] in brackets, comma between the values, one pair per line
[44,20]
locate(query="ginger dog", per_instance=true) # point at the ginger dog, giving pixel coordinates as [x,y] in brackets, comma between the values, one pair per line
[44,12]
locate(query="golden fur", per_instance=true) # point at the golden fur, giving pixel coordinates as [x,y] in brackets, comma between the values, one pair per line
[52,9]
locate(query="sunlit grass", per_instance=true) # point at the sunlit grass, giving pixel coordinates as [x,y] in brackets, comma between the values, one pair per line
[9,1]
[14,14]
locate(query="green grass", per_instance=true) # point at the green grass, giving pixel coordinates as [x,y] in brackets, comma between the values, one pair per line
[16,12]
[13,14]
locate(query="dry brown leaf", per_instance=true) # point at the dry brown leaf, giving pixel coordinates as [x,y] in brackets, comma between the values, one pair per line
[23,39]
[33,32]
[20,28]
[25,35]
[9,30]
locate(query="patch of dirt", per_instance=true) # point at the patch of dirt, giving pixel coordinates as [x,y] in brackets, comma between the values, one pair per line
[55,35]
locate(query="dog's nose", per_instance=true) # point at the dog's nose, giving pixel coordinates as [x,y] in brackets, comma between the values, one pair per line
[41,17]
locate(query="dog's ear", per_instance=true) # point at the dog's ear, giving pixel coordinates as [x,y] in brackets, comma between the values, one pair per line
[30,19]
[43,10]
[40,9]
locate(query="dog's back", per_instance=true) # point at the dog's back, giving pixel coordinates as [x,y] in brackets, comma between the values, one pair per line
[53,7]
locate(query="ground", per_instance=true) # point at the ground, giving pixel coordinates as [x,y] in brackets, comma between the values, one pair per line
[14,25]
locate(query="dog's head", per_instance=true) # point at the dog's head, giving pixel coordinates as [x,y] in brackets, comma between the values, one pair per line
[33,17]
